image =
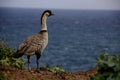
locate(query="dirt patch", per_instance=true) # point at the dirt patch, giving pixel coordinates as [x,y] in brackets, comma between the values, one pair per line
[12,73]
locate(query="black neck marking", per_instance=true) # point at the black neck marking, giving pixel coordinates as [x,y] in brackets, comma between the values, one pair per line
[43,31]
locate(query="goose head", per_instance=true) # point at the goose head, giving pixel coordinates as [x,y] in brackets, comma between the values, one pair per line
[47,13]
[44,16]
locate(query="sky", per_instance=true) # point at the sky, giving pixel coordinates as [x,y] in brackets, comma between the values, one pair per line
[63,4]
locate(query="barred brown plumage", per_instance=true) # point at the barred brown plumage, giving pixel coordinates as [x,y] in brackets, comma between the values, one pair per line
[35,44]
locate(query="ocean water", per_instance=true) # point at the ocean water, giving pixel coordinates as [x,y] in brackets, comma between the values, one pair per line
[76,37]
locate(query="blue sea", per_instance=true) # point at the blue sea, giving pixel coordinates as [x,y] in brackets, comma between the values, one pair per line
[76,37]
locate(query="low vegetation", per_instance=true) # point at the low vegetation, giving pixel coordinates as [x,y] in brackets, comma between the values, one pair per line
[55,69]
[6,59]
[108,67]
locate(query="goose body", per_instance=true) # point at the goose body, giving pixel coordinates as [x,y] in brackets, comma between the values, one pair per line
[35,44]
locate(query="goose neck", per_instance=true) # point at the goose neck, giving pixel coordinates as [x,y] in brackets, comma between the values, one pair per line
[43,23]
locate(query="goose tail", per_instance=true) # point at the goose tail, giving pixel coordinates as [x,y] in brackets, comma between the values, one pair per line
[17,54]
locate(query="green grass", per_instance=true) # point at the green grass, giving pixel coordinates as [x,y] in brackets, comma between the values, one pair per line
[55,69]
[6,60]
[108,67]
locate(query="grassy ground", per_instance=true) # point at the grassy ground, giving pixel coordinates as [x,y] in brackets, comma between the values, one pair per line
[12,73]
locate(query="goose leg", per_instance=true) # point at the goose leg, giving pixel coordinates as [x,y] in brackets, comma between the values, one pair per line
[37,61]
[28,57]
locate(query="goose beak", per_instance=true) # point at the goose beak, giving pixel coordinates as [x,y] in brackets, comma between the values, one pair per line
[51,15]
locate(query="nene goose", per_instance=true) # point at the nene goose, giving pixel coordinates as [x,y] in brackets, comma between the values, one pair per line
[35,44]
